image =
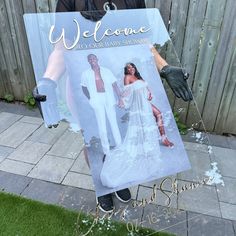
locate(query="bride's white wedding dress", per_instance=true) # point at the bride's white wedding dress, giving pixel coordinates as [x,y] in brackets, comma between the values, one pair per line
[138,157]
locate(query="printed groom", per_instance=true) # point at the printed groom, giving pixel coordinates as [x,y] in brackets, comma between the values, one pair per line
[98,85]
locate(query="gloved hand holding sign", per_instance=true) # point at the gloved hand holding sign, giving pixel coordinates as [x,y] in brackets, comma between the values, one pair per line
[176,78]
[45,96]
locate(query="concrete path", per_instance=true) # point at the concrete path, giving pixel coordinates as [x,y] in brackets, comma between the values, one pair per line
[49,166]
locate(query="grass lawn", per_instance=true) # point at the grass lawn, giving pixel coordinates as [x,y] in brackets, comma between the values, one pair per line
[23,217]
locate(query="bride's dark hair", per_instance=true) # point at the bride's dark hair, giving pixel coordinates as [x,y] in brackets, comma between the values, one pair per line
[136,74]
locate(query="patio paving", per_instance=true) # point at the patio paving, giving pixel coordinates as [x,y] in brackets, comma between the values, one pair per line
[51,168]
[226,159]
[202,200]
[199,224]
[16,134]
[29,152]
[49,165]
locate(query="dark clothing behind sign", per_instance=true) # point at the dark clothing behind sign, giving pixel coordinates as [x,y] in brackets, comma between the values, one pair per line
[80,5]
[90,9]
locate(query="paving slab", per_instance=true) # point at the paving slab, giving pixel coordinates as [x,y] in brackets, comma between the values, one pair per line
[7,119]
[79,180]
[219,140]
[69,145]
[228,211]
[78,199]
[196,147]
[196,137]
[4,152]
[234,224]
[165,219]
[226,159]
[29,152]
[200,163]
[162,197]
[189,137]
[126,212]
[80,165]
[13,183]
[16,134]
[203,225]
[48,136]
[44,191]
[134,192]
[202,199]
[164,183]
[16,167]
[227,193]
[31,120]
[19,108]
[232,142]
[51,168]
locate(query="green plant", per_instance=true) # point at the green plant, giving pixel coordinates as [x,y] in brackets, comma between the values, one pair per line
[29,100]
[183,129]
[9,98]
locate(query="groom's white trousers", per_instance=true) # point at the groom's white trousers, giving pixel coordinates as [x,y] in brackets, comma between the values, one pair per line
[103,110]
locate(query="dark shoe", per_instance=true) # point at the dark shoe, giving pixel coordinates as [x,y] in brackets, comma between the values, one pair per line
[123,195]
[105,203]
[104,157]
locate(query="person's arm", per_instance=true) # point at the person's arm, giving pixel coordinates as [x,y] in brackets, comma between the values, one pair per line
[116,89]
[176,77]
[113,81]
[126,93]
[56,64]
[45,91]
[126,80]
[149,94]
[84,84]
[159,61]
[86,92]
[118,93]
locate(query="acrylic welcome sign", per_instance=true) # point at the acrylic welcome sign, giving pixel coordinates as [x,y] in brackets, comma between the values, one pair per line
[101,77]
[106,84]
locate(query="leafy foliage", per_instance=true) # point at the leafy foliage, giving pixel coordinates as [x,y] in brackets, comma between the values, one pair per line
[29,100]
[9,98]
[183,129]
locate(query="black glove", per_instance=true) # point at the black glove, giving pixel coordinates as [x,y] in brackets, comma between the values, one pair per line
[45,95]
[176,78]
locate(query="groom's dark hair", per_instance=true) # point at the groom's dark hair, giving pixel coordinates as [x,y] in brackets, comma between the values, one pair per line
[91,55]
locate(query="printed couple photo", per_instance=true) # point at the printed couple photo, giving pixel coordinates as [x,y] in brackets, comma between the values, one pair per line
[129,130]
